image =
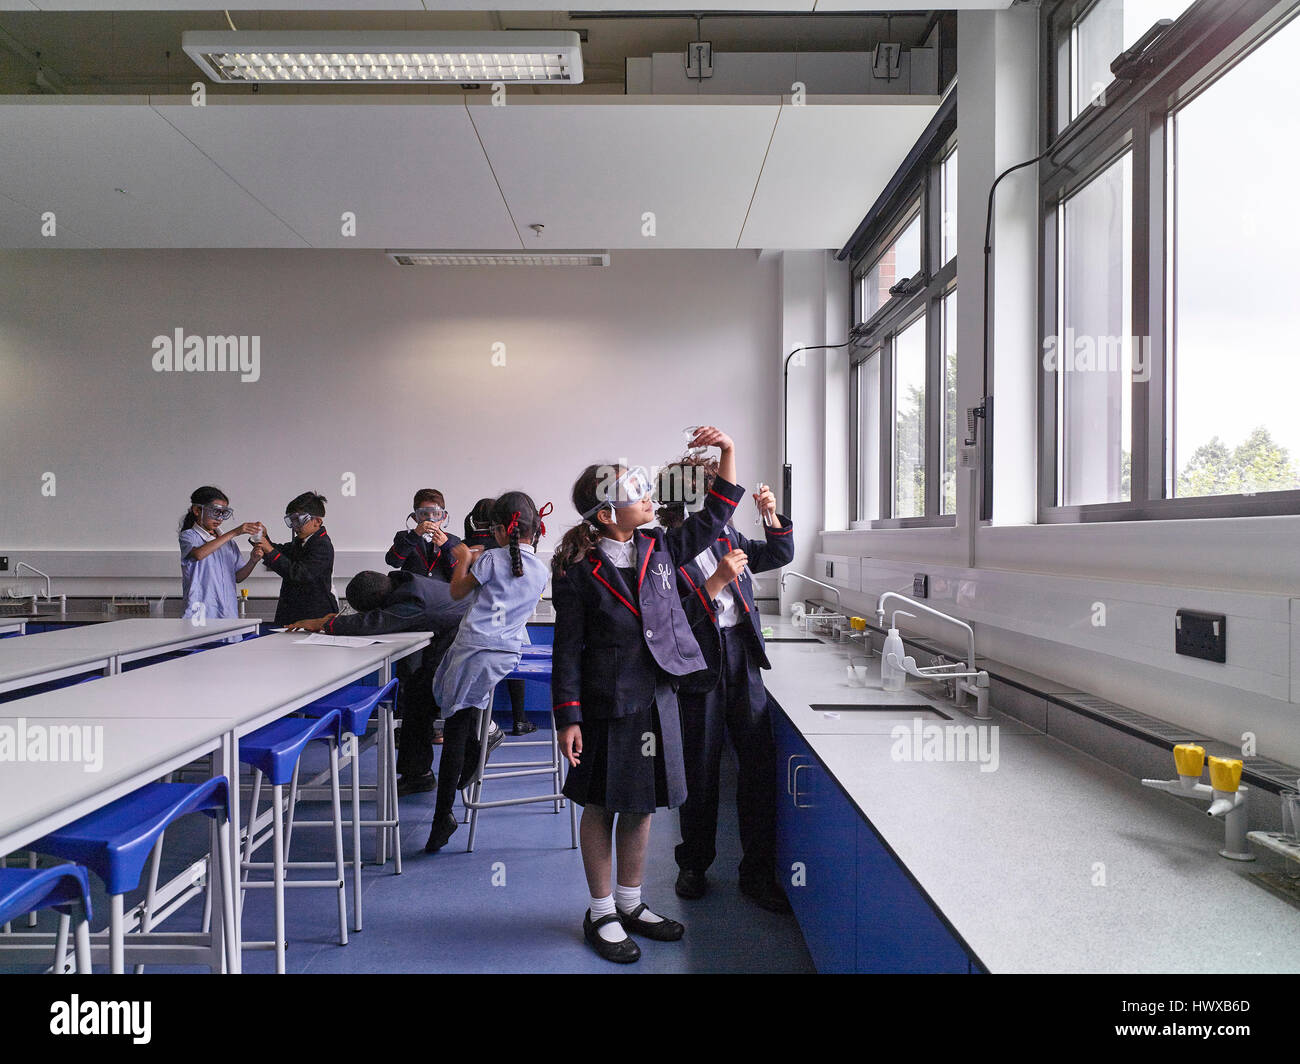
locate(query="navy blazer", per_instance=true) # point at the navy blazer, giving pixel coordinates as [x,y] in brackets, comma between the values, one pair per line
[306,571]
[615,649]
[415,604]
[772,552]
[411,554]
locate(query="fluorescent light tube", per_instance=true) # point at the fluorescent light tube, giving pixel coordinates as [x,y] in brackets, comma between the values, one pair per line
[499,258]
[411,57]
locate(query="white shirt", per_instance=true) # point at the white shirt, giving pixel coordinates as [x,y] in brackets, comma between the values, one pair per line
[621,553]
[728,610]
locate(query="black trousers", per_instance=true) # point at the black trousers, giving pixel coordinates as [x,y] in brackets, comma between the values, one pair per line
[458,735]
[741,707]
[416,707]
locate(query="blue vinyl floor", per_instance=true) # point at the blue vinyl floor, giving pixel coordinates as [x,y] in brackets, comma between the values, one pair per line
[513,905]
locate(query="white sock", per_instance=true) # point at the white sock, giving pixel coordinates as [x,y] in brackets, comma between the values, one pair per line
[628,898]
[492,729]
[612,931]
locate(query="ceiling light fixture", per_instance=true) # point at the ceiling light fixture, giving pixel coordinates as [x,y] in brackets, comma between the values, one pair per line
[499,258]
[341,57]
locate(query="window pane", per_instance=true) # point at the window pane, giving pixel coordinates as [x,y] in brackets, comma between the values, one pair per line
[1105,30]
[949,493]
[868,384]
[902,259]
[949,208]
[909,421]
[1235,372]
[1091,354]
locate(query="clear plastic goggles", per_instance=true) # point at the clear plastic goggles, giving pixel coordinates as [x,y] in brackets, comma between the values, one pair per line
[218,513]
[295,521]
[479,526]
[436,514]
[631,487]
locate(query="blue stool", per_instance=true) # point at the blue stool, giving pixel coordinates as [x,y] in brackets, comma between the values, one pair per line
[116,840]
[275,752]
[537,669]
[63,887]
[355,705]
[537,650]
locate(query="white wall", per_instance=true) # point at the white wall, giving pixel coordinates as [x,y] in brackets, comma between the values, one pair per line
[366,368]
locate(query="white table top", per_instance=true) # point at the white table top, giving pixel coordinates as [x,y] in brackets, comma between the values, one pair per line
[38,796]
[12,626]
[248,683]
[38,662]
[135,634]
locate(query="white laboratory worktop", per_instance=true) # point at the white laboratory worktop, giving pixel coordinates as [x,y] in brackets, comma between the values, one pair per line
[1054,862]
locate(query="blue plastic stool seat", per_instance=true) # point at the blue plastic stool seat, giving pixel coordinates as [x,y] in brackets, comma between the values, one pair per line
[115,841]
[540,650]
[29,890]
[531,669]
[355,704]
[274,750]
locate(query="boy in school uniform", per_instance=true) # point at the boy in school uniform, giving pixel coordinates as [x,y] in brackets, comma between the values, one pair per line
[305,564]
[427,547]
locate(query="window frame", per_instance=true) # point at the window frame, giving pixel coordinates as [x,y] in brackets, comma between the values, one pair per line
[924,198]
[1208,40]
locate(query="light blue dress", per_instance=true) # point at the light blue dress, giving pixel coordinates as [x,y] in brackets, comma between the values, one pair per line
[208,584]
[492,634]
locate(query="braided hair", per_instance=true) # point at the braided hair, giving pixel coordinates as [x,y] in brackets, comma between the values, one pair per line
[583,537]
[517,514]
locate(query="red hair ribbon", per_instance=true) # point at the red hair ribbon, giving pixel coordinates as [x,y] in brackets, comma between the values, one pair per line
[541,514]
[514,523]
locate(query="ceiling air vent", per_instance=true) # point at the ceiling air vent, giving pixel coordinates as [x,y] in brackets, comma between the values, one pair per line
[499,258]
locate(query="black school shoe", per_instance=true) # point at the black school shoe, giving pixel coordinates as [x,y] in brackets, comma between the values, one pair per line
[691,884]
[440,833]
[523,727]
[416,784]
[662,930]
[625,952]
[470,768]
[767,895]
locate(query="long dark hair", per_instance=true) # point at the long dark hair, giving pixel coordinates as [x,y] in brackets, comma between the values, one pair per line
[582,538]
[480,514]
[517,514]
[202,497]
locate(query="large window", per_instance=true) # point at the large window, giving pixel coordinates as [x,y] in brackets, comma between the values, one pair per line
[905,373]
[1168,329]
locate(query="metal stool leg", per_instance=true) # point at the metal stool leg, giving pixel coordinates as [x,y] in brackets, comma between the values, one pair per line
[116,932]
[353,745]
[293,807]
[485,727]
[389,768]
[61,944]
[338,842]
[277,870]
[151,892]
[82,935]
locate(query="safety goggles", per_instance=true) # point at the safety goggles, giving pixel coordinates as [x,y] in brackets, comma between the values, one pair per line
[295,521]
[436,514]
[476,525]
[629,488]
[218,513]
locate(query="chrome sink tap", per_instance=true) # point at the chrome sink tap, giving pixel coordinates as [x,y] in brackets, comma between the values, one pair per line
[966,678]
[36,596]
[820,618]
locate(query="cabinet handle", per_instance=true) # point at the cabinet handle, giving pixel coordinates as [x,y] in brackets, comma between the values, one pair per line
[795,791]
[789,781]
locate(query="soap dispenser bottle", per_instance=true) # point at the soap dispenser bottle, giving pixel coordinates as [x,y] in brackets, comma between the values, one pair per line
[892,675]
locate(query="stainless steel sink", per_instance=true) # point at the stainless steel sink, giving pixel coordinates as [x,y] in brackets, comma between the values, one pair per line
[893,709]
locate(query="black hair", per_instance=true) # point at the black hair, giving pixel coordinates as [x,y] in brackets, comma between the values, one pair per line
[309,502]
[367,590]
[517,513]
[480,515]
[432,495]
[582,538]
[681,482]
[203,496]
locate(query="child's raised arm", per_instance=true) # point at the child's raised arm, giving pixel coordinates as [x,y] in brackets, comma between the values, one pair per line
[462,580]
[700,529]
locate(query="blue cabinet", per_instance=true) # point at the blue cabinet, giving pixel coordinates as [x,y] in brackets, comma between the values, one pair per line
[857,907]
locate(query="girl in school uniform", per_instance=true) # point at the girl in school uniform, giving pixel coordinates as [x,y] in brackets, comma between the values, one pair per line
[210,560]
[622,640]
[506,585]
[478,533]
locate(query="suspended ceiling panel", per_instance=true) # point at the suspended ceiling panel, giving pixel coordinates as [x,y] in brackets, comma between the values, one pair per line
[829,160]
[409,168]
[116,173]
